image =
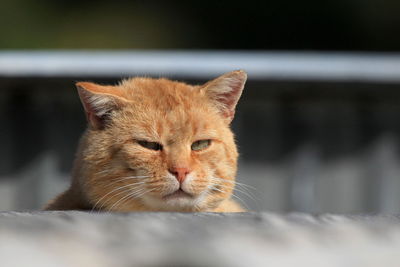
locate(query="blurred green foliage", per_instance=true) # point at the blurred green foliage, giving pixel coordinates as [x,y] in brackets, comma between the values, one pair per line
[251,24]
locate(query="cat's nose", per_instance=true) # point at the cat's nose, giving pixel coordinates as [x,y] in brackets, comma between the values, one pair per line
[180,173]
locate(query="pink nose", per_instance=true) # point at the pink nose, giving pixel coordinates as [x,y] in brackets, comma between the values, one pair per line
[179,173]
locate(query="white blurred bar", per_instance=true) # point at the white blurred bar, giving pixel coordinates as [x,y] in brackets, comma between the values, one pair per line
[289,66]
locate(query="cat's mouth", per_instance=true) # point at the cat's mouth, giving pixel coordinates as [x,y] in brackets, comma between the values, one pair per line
[178,194]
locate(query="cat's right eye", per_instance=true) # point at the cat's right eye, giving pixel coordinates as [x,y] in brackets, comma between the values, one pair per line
[150,145]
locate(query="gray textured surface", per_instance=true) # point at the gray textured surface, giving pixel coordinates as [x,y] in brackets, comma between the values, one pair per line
[203,239]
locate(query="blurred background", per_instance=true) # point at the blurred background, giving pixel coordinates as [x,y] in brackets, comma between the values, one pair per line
[318,124]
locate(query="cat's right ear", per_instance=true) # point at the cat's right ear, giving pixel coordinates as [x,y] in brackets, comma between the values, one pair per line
[225,92]
[98,101]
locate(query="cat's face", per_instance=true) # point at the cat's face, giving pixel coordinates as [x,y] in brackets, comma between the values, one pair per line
[160,145]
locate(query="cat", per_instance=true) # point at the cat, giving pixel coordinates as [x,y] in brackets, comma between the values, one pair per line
[156,145]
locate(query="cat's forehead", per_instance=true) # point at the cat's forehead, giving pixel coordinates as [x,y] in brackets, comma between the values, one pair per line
[166,100]
[175,124]
[149,89]
[168,110]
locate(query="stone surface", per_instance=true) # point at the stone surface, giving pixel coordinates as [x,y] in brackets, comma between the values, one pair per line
[202,239]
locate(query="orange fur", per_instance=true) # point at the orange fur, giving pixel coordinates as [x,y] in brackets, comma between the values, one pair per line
[113,171]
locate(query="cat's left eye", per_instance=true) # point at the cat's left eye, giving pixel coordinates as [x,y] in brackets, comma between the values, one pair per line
[201,144]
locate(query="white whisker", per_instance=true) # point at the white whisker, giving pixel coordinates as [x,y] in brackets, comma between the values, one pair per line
[115,195]
[124,179]
[125,197]
[244,188]
[233,195]
[244,192]
[135,194]
[104,171]
[244,203]
[112,191]
[239,187]
[235,182]
[136,176]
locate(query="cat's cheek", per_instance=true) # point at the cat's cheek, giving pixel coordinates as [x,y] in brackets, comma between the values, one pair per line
[140,158]
[216,152]
[219,167]
[155,159]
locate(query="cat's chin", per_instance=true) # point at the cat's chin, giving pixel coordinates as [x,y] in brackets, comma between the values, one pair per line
[176,201]
[178,194]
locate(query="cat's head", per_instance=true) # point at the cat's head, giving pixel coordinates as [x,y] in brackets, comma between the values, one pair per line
[157,144]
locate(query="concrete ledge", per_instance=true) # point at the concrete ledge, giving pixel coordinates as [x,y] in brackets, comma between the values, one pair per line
[203,239]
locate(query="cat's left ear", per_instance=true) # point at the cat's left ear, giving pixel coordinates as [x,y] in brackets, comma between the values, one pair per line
[98,101]
[225,92]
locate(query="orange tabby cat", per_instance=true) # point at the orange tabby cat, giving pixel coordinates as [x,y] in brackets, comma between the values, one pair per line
[156,145]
